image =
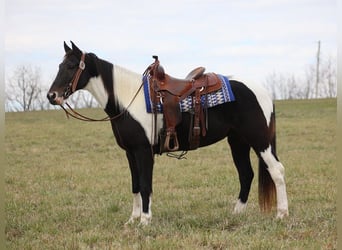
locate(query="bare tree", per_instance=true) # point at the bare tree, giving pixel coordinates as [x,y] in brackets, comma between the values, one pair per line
[23,88]
[83,99]
[330,78]
[271,84]
[42,102]
[280,86]
[315,84]
[310,80]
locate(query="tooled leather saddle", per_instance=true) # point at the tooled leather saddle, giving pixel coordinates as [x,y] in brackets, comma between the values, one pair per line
[170,91]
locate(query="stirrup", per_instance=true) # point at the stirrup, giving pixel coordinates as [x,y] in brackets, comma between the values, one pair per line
[171,138]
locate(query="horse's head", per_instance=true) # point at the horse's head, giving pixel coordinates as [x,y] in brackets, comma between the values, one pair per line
[72,75]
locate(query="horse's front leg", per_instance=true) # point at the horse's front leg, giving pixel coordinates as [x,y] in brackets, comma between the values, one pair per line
[145,161]
[136,212]
[141,166]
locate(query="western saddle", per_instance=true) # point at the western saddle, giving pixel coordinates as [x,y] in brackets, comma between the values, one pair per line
[170,91]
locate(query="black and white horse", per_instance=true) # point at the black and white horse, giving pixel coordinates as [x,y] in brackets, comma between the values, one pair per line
[248,122]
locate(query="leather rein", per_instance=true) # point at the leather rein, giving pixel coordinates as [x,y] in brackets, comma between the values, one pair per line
[72,88]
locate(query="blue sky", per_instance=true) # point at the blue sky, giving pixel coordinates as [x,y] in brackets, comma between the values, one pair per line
[248,39]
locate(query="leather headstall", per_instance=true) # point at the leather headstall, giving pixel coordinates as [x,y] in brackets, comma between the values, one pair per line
[73,84]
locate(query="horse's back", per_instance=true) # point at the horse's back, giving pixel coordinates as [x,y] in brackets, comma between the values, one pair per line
[252,97]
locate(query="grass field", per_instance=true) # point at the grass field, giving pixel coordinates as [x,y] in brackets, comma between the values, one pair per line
[68,186]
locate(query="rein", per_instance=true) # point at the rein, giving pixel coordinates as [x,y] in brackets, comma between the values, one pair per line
[73,113]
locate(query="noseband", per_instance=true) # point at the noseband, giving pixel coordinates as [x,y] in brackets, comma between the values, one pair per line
[73,84]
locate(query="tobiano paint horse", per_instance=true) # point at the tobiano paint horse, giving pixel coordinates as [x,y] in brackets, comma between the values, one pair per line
[247,123]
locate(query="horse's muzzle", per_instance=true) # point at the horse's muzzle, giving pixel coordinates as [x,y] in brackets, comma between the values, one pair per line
[54,99]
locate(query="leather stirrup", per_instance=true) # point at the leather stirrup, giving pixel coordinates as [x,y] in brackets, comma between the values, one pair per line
[171,140]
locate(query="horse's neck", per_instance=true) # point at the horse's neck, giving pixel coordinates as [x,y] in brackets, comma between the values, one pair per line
[114,82]
[98,84]
[126,84]
[96,87]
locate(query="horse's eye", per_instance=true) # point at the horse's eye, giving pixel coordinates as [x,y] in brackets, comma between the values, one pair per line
[71,65]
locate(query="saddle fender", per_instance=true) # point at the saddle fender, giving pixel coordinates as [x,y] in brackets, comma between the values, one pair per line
[172,116]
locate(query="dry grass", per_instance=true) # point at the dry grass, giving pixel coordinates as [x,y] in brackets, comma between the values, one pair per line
[68,187]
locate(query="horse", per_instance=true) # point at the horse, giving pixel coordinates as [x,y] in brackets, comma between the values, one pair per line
[247,123]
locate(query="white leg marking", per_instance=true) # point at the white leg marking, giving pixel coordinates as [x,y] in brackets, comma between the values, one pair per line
[240,207]
[136,212]
[277,172]
[147,217]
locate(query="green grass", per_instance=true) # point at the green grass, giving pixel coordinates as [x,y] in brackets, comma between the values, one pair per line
[68,186]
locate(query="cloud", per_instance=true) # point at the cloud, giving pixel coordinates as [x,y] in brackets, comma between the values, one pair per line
[259,36]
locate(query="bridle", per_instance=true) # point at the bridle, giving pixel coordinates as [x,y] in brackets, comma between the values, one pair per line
[72,88]
[73,84]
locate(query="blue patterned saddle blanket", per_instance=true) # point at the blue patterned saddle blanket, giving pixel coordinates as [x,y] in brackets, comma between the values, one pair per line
[223,95]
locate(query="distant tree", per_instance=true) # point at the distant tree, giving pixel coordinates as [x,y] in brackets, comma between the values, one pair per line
[83,99]
[329,78]
[309,82]
[24,92]
[23,89]
[292,87]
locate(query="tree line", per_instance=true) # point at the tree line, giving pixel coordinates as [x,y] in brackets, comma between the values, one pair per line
[25,91]
[316,82]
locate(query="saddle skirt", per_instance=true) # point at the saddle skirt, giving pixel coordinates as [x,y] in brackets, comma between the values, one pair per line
[211,99]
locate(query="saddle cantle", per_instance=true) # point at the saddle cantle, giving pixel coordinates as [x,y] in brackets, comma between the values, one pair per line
[195,74]
[171,91]
[184,87]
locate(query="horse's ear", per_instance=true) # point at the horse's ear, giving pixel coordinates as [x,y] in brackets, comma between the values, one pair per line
[66,47]
[75,48]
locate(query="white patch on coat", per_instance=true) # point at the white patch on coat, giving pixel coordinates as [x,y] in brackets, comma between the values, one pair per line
[147,217]
[240,207]
[263,98]
[137,208]
[277,172]
[96,87]
[126,84]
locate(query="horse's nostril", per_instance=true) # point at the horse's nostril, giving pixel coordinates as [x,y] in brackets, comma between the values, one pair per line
[51,96]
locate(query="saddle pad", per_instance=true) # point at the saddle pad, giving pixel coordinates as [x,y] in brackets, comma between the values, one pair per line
[225,94]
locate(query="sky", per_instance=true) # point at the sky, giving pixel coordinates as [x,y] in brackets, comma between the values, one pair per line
[243,38]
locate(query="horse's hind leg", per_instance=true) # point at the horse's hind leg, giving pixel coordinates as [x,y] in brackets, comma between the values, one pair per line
[240,152]
[277,173]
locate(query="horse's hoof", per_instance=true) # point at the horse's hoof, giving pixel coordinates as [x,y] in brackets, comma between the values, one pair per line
[131,221]
[282,213]
[145,219]
[240,207]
